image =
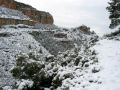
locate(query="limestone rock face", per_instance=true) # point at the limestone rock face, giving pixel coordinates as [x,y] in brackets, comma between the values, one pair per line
[8,3]
[37,16]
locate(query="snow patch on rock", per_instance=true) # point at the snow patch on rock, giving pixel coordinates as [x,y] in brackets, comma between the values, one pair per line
[10,13]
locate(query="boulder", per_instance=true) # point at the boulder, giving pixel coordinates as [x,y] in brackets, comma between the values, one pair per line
[84,29]
[60,35]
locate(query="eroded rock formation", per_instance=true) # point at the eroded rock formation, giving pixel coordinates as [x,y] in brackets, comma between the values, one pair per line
[35,15]
[9,21]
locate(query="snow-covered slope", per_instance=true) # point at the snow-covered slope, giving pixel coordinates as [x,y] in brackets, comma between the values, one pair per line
[14,14]
[13,42]
[109,58]
[76,68]
[60,40]
[75,65]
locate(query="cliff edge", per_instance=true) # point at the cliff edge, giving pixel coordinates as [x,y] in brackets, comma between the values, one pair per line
[32,13]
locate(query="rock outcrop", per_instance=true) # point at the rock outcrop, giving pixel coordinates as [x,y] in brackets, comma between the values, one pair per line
[8,3]
[9,21]
[35,15]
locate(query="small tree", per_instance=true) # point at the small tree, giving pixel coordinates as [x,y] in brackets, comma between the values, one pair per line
[114,9]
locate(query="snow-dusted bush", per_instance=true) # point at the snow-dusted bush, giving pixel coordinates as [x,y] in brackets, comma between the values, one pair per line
[5,34]
[53,72]
[42,71]
[113,35]
[35,68]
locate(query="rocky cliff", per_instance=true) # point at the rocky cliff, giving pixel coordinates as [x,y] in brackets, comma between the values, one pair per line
[37,16]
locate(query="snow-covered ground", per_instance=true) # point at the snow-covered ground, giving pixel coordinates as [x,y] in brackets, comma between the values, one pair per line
[109,59]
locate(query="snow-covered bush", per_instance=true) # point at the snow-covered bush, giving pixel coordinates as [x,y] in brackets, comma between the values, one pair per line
[50,71]
[5,34]
[31,67]
[24,84]
[114,35]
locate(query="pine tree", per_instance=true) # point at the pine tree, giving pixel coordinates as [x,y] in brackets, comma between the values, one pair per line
[114,9]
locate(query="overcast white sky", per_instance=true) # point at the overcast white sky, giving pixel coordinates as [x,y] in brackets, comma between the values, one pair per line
[72,13]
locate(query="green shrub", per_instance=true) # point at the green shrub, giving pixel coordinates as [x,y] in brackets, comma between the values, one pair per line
[29,67]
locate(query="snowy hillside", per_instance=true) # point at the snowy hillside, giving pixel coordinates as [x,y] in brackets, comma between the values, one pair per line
[47,57]
[13,42]
[36,54]
[14,14]
[70,67]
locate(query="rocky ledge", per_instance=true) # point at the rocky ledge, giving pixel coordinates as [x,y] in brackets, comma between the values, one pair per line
[32,13]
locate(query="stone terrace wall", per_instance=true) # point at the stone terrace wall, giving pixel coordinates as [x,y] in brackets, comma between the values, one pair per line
[7,21]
